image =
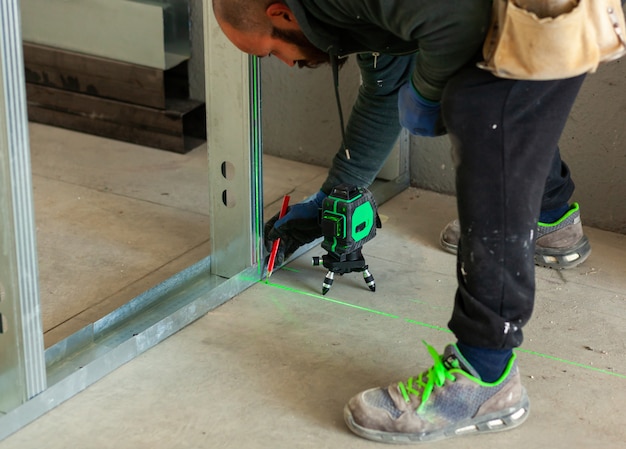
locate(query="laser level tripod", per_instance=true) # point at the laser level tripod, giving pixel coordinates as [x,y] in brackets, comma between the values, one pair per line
[349,220]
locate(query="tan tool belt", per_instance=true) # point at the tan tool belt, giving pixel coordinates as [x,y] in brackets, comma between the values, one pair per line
[553,39]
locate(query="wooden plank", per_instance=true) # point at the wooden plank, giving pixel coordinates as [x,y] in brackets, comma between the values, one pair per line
[166,120]
[180,127]
[102,77]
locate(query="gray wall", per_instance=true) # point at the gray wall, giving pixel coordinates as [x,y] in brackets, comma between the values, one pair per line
[594,146]
[300,122]
[300,115]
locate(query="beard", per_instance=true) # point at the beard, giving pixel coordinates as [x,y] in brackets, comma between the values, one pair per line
[314,57]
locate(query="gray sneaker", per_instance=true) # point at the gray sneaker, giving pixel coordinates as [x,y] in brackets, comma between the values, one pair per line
[446,401]
[560,245]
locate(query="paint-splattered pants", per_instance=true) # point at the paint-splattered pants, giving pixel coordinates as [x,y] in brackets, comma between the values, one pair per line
[505,135]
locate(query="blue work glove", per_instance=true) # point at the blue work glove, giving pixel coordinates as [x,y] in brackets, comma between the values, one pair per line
[420,116]
[300,225]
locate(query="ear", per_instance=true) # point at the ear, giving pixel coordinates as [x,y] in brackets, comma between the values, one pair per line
[281,16]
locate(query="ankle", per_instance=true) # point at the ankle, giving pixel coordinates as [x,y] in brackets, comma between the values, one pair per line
[488,363]
[552,215]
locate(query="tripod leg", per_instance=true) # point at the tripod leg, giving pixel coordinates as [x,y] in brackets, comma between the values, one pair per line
[369,279]
[328,282]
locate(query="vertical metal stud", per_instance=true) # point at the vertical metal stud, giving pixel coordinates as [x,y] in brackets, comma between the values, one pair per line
[22,371]
[235,153]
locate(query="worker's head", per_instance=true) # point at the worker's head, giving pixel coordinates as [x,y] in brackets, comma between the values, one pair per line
[267,27]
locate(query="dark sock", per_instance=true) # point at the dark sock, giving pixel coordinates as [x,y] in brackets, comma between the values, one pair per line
[488,363]
[552,215]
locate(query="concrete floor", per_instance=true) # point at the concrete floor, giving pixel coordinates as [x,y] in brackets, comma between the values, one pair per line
[273,367]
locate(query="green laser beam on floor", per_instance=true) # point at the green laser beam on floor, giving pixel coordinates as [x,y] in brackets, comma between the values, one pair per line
[327,299]
[438,328]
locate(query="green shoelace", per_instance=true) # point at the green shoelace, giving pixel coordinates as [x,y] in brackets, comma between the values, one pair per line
[426,381]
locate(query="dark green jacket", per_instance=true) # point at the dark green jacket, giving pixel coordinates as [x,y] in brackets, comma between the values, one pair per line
[394,41]
[446,33]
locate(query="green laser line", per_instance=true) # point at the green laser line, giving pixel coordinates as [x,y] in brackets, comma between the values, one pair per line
[279,306]
[336,301]
[442,329]
[267,281]
[569,362]
[430,326]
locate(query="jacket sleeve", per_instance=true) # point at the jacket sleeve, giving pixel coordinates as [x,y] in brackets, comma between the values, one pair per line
[448,34]
[373,126]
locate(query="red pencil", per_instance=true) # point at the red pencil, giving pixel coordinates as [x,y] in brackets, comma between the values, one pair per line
[270,262]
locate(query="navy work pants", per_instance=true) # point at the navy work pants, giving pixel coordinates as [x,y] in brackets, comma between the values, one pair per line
[505,136]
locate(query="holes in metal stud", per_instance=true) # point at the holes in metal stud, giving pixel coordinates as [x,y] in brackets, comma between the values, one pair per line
[228,170]
[228,198]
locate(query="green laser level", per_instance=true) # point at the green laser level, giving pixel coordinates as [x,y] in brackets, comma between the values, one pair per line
[349,220]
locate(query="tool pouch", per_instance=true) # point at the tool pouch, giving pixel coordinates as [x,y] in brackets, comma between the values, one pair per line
[552,39]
